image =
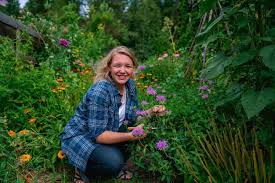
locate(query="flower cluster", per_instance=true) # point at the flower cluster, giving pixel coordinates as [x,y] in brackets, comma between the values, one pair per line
[204,89]
[162,145]
[64,42]
[141,112]
[141,67]
[151,91]
[138,132]
[160,98]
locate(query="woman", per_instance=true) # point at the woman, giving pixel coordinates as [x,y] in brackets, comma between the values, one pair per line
[94,138]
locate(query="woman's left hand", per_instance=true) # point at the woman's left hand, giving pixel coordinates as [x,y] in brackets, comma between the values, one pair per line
[158,110]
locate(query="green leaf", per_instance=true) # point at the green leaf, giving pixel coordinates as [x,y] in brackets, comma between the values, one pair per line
[254,102]
[210,26]
[215,67]
[268,54]
[232,93]
[243,57]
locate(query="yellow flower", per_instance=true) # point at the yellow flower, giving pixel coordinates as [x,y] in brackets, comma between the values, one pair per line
[25,157]
[61,154]
[12,133]
[32,120]
[24,132]
[26,111]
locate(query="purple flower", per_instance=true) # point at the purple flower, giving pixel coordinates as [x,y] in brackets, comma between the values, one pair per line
[141,67]
[141,113]
[162,144]
[204,96]
[137,132]
[3,2]
[64,42]
[204,87]
[144,102]
[151,91]
[160,98]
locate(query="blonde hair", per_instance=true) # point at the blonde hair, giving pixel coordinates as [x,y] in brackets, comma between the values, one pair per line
[103,67]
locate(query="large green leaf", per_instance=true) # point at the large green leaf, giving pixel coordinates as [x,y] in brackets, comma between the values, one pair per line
[254,102]
[268,54]
[232,93]
[243,57]
[215,67]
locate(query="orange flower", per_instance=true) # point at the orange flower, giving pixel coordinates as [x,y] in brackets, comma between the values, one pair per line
[28,179]
[61,88]
[61,154]
[59,80]
[24,132]
[54,90]
[25,158]
[32,120]
[12,133]
[26,111]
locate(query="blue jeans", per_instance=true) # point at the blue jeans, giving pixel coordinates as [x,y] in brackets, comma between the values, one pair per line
[107,160]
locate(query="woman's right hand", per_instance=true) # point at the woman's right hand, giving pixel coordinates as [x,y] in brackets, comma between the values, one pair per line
[137,133]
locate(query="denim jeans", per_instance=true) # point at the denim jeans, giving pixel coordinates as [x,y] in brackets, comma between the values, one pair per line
[107,160]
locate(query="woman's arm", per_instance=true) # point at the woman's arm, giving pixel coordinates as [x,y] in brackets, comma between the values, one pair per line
[109,137]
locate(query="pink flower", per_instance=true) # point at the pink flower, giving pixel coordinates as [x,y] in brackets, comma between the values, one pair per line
[141,113]
[63,42]
[144,102]
[204,87]
[204,96]
[137,132]
[165,54]
[160,98]
[162,144]
[141,67]
[151,91]
[3,2]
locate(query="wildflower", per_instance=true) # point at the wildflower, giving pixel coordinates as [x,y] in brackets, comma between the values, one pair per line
[160,58]
[161,144]
[165,54]
[176,54]
[3,2]
[144,102]
[25,157]
[63,42]
[204,96]
[59,80]
[24,132]
[204,87]
[28,179]
[12,133]
[160,98]
[151,91]
[26,111]
[137,132]
[61,154]
[54,90]
[141,113]
[32,120]
[141,67]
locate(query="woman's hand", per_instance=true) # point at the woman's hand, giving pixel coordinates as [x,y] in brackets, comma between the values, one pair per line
[158,110]
[137,132]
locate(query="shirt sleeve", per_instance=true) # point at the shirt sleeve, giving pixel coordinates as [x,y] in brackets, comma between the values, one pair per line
[97,105]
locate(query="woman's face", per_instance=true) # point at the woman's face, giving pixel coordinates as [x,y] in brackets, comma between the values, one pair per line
[121,69]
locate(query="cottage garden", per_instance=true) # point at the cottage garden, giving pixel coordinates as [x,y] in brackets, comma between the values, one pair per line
[206,135]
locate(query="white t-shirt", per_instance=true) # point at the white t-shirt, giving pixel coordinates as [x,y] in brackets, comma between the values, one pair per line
[121,110]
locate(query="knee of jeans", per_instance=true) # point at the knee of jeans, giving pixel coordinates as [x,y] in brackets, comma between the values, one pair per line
[115,167]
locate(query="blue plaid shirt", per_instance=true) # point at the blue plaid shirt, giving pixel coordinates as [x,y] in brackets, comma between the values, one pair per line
[97,113]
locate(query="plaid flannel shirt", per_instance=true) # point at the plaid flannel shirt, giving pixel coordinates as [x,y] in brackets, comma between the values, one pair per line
[97,112]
